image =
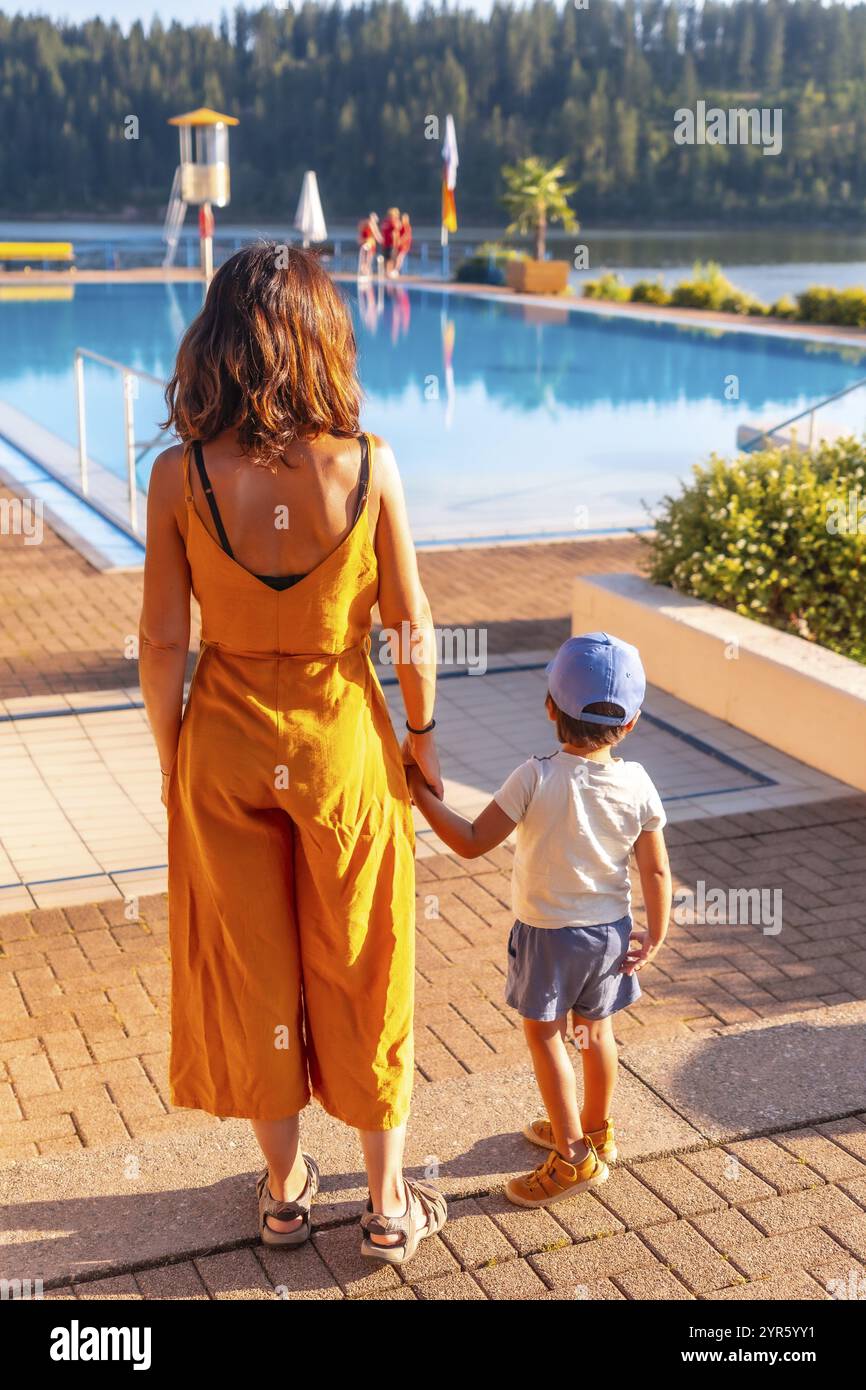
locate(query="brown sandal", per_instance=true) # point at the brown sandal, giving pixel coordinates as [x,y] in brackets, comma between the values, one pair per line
[432,1204]
[287,1211]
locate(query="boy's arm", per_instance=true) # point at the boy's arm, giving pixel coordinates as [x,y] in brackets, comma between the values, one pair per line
[655,881]
[469,839]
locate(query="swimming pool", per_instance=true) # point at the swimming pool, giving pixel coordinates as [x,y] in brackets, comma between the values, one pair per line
[508,419]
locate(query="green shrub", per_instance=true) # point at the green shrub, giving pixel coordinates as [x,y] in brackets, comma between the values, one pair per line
[844,308]
[784,308]
[761,536]
[649,292]
[738,302]
[607,286]
[705,290]
[815,305]
[852,307]
[486,265]
[710,289]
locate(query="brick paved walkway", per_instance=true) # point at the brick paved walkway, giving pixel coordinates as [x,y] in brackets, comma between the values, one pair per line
[83,1043]
[84,995]
[773,1218]
[66,627]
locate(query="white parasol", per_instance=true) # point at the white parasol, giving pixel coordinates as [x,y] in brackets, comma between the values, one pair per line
[309,218]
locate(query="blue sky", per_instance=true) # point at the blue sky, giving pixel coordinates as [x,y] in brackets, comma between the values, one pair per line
[187,11]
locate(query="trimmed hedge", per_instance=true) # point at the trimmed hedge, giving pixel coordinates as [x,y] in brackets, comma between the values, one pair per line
[779,536]
[709,288]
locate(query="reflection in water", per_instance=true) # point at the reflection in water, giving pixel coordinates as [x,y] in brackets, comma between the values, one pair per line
[448,335]
[538,414]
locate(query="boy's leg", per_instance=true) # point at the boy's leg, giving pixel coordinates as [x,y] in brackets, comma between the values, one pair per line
[557,1083]
[600,1061]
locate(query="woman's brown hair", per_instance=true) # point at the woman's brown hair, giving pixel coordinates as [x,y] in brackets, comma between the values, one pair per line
[272,355]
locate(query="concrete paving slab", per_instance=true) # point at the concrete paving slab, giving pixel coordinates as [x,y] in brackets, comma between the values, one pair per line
[760,1078]
[108,1210]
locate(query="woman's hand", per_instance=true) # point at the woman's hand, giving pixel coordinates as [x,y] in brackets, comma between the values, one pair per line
[421,750]
[164,794]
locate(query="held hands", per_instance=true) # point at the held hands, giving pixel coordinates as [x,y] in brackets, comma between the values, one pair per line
[419,752]
[641,950]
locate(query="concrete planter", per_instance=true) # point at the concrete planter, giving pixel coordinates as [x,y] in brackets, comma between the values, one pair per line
[798,697]
[537,277]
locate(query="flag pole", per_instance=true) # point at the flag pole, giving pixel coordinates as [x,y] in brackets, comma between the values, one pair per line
[450,160]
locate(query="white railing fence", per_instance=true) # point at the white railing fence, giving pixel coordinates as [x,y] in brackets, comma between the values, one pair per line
[124,508]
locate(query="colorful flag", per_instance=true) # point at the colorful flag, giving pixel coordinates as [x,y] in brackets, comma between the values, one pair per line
[450,160]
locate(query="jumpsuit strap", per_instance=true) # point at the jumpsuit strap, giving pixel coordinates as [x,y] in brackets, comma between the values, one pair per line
[212,502]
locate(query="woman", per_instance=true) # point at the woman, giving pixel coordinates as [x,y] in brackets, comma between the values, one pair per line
[369,238]
[404,242]
[391,228]
[291,870]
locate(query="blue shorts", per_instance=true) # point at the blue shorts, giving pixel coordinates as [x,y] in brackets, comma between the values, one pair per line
[553,971]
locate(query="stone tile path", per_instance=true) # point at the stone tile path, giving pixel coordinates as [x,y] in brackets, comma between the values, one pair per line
[83,1042]
[707,1204]
[781,1218]
[86,823]
[65,627]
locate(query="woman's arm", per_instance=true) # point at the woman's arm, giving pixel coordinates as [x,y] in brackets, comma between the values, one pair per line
[405,614]
[469,839]
[165,624]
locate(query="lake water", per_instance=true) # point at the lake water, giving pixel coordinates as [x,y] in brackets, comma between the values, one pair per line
[766,262]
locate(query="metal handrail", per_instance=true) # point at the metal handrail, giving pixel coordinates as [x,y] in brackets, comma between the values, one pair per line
[809,411]
[128,377]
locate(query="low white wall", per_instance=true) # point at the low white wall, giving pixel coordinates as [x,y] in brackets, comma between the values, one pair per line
[792,694]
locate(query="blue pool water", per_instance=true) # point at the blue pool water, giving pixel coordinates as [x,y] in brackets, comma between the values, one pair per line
[548,421]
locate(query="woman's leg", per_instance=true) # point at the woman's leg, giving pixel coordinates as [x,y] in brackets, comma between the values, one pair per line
[598,1053]
[279,1141]
[383,1158]
[557,1084]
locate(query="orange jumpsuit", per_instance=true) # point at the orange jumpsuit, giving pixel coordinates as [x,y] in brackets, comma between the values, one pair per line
[291,850]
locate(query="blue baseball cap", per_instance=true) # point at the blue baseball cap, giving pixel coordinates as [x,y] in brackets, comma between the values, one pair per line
[595,668]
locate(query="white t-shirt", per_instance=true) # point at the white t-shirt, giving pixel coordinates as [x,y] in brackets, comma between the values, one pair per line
[577,820]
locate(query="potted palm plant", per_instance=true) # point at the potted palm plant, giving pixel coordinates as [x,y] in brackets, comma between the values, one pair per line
[536,197]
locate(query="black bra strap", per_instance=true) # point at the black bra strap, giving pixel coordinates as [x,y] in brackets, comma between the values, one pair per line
[212,502]
[198,454]
[365,474]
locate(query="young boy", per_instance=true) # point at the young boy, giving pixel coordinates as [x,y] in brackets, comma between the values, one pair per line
[579,814]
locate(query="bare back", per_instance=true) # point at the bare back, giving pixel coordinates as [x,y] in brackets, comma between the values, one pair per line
[283,522]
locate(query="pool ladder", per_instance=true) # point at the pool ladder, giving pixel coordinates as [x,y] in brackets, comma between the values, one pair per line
[750,439]
[175,214]
[120,504]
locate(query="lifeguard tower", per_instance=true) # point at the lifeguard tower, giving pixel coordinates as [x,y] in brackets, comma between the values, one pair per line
[201,179]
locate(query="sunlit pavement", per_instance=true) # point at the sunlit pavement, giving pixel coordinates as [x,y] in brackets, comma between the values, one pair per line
[84,821]
[741,1108]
